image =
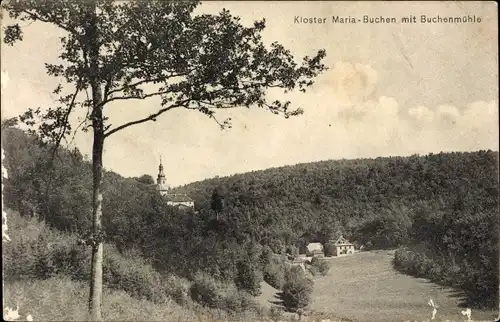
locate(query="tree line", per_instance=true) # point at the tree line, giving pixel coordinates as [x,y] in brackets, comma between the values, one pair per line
[442,205]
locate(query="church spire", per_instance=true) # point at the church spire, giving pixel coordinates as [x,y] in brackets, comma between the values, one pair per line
[161,176]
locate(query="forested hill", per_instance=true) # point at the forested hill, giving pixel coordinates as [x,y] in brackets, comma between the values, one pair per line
[368,200]
[321,198]
[443,208]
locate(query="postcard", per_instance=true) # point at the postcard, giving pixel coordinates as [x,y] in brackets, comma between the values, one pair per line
[250,161]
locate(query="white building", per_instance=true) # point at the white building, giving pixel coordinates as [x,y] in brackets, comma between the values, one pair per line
[180,200]
[343,247]
[315,249]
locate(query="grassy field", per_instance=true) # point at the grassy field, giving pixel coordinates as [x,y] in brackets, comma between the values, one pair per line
[61,299]
[365,287]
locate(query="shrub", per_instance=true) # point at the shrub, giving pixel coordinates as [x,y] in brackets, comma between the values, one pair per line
[478,283]
[62,299]
[206,290]
[292,251]
[40,252]
[313,270]
[296,290]
[176,289]
[209,292]
[266,256]
[37,251]
[238,301]
[320,265]
[274,273]
[329,249]
[248,277]
[277,246]
[132,275]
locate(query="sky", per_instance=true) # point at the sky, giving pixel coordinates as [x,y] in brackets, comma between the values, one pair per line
[391,89]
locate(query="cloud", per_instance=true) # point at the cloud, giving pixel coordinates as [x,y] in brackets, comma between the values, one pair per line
[421,114]
[377,126]
[345,117]
[448,127]
[351,83]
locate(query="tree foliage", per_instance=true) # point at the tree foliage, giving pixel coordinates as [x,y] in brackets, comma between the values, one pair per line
[160,49]
[217,202]
[146,179]
[136,50]
[296,290]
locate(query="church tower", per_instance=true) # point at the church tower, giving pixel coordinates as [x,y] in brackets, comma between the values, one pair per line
[178,200]
[161,182]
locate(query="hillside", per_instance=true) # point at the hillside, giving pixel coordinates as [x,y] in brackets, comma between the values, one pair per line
[442,208]
[315,200]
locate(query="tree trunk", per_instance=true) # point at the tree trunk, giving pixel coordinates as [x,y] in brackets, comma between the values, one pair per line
[96,279]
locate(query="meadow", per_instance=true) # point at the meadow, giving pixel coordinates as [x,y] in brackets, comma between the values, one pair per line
[366,287]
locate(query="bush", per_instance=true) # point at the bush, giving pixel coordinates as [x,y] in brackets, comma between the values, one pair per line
[248,277]
[478,284]
[274,273]
[63,299]
[205,290]
[132,276]
[313,270]
[39,252]
[296,290]
[320,265]
[292,251]
[329,249]
[176,288]
[215,294]
[238,302]
[266,256]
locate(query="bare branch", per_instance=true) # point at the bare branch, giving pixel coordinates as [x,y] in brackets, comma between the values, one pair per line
[147,81]
[60,136]
[60,25]
[151,117]
[224,125]
[85,119]
[217,105]
[122,98]
[65,122]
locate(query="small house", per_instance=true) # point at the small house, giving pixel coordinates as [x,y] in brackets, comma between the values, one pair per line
[342,247]
[315,249]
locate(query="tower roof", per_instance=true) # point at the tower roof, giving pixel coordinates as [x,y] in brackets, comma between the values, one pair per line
[160,180]
[160,167]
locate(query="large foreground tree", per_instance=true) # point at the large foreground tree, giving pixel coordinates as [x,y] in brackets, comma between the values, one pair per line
[136,50]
